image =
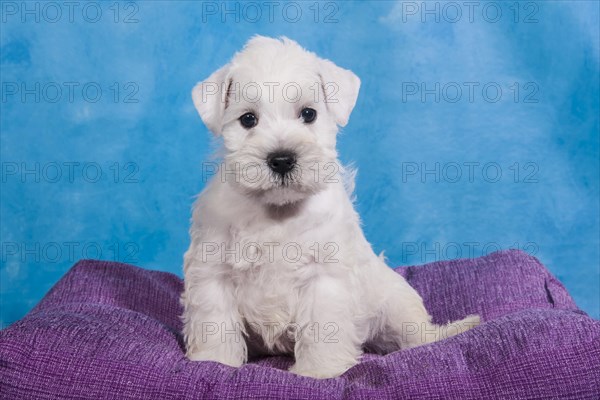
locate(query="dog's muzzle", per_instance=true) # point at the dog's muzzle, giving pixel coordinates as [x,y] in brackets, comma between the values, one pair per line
[281,162]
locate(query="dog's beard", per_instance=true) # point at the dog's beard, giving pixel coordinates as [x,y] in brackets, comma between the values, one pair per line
[256,180]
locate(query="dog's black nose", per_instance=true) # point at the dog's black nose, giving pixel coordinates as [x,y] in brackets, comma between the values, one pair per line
[281,162]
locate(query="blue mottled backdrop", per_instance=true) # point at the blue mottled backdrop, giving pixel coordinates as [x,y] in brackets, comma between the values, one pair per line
[476,129]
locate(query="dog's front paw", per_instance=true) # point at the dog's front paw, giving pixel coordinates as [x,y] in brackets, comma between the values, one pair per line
[231,359]
[320,372]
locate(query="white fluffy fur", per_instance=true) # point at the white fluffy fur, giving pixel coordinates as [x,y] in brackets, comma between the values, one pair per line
[336,297]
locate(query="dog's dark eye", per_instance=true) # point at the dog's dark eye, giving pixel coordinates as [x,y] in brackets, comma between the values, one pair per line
[308,115]
[248,120]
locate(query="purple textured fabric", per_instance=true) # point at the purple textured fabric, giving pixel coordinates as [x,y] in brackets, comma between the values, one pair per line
[111,331]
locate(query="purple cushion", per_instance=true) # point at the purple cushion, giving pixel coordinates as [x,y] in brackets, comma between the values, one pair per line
[110,330]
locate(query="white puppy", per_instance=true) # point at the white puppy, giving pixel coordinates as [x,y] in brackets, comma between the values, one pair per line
[278,262]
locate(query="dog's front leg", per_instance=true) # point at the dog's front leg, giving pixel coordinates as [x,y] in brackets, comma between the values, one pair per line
[213,328]
[328,343]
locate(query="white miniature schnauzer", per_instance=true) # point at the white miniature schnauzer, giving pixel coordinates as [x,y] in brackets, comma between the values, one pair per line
[278,263]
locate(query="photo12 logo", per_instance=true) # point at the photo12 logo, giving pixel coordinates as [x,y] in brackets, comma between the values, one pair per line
[469,172]
[270,331]
[69,172]
[252,253]
[253,172]
[253,92]
[69,92]
[68,251]
[424,252]
[469,11]
[270,11]
[52,12]
[469,92]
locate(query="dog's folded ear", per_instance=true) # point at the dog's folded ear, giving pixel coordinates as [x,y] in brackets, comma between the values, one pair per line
[341,88]
[210,99]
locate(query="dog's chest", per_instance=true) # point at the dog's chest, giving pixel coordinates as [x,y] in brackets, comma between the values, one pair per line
[269,301]
[269,293]
[277,247]
[275,262]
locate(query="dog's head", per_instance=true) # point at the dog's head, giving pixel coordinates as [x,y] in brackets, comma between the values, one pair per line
[278,108]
